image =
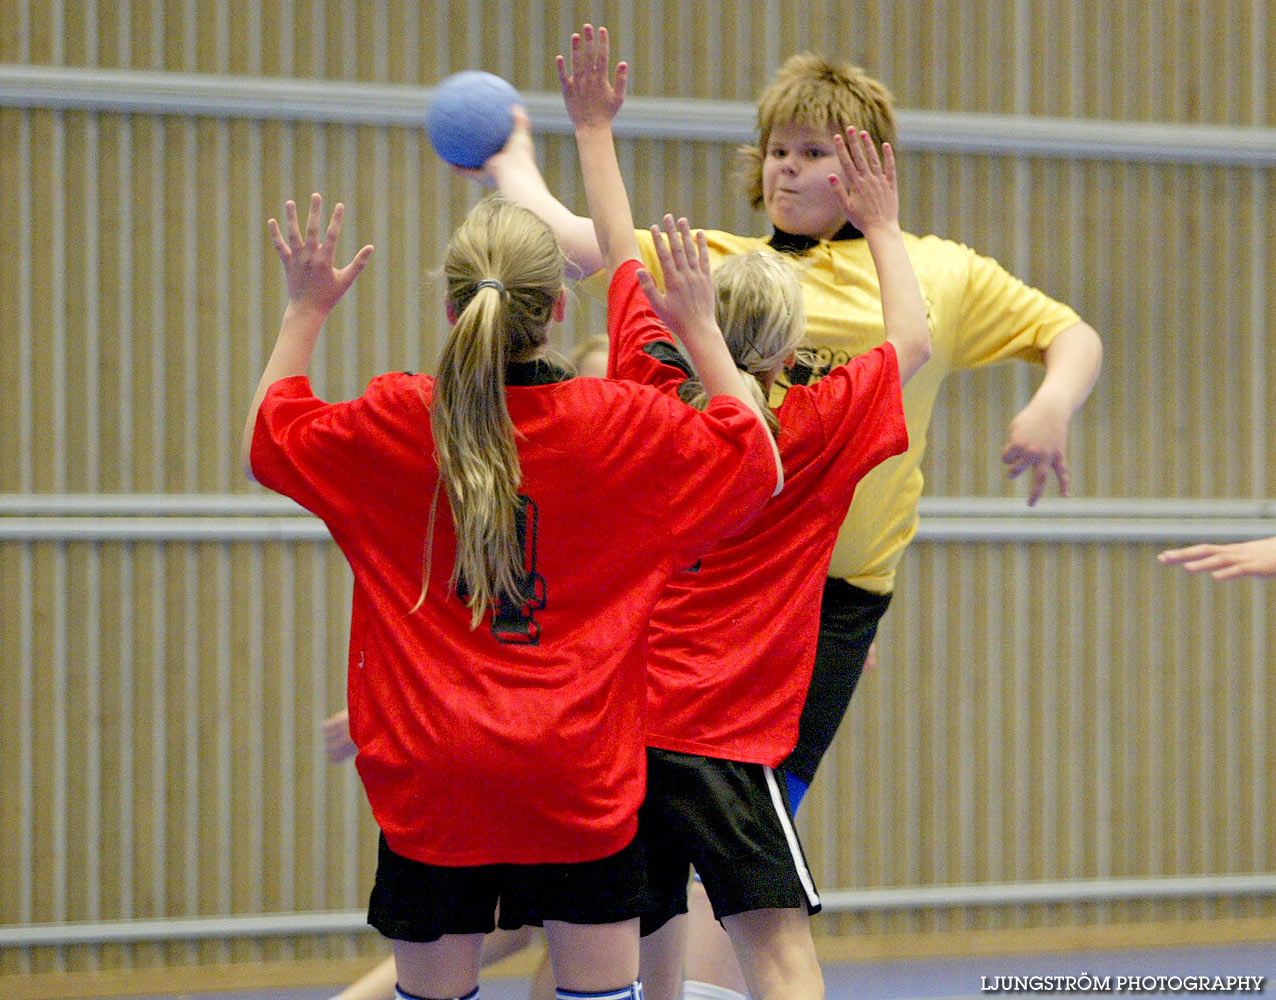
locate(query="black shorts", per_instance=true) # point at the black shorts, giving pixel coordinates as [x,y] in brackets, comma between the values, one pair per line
[731,821]
[848,625]
[413,901]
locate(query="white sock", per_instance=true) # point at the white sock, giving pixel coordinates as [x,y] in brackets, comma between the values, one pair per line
[693,990]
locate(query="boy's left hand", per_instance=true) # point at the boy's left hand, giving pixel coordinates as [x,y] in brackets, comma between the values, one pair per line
[590,97]
[1038,440]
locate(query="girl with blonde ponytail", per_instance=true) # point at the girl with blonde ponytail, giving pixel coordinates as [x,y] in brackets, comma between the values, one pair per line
[732,643]
[496,676]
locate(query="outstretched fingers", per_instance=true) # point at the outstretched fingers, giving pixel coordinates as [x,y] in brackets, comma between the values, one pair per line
[702,250]
[314,281]
[583,77]
[649,286]
[602,49]
[334,226]
[277,238]
[888,161]
[314,220]
[867,152]
[677,233]
[622,80]
[850,154]
[351,271]
[292,229]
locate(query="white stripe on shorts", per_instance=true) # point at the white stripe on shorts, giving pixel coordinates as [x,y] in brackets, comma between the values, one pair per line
[790,835]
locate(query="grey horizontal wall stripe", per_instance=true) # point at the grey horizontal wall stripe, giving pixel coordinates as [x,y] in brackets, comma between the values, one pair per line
[268,98]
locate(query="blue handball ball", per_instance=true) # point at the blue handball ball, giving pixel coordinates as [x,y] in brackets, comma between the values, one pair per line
[470,117]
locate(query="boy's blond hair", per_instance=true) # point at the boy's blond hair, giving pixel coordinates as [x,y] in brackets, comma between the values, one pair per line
[811,91]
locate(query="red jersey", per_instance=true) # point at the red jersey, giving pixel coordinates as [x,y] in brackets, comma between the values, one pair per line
[733,638]
[520,741]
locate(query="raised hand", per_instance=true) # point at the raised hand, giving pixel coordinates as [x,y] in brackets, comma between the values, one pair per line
[687,304]
[588,92]
[315,284]
[518,154]
[869,195]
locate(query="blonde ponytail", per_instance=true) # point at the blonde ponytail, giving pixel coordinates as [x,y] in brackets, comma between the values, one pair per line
[504,272]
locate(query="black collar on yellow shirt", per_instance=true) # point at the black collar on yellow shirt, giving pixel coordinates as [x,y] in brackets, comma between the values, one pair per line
[795,244]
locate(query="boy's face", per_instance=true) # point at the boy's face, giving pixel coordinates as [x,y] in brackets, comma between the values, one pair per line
[795,182]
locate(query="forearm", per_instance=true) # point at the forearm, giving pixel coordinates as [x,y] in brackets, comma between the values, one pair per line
[1072,363]
[613,220]
[523,184]
[903,309]
[298,334]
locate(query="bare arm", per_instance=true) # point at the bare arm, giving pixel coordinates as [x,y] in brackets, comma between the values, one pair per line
[870,200]
[314,287]
[687,307]
[1038,435]
[514,173]
[687,304]
[592,102]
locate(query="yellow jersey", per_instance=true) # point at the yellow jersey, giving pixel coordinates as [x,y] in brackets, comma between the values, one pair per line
[978,312]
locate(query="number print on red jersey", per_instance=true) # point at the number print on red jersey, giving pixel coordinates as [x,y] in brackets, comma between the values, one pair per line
[512,621]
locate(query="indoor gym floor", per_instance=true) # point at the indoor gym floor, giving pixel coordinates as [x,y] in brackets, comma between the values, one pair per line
[938,977]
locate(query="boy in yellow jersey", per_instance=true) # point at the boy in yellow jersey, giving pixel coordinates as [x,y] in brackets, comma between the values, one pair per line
[978,312]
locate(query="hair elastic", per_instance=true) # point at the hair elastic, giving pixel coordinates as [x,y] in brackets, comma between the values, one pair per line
[492,283]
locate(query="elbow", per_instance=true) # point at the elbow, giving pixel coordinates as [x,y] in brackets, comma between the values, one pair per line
[247,462]
[1077,354]
[924,348]
[1097,347]
[1082,339]
[246,451]
[913,355]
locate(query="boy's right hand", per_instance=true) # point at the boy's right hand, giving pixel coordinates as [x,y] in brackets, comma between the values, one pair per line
[518,152]
[869,195]
[590,97]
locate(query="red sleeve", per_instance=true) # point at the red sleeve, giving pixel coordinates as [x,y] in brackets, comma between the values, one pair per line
[860,407]
[304,448]
[641,347]
[721,473]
